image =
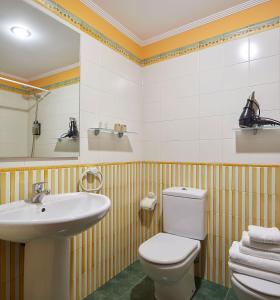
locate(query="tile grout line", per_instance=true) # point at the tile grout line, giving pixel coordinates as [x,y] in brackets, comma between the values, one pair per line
[227,294]
[142,277]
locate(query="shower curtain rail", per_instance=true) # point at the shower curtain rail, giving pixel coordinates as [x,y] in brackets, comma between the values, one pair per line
[23,84]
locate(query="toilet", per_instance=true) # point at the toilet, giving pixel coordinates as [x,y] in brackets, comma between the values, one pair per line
[252,288]
[168,257]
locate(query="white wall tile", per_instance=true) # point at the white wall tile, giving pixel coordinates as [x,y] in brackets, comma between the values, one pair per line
[210,127]
[267,95]
[230,155]
[234,100]
[152,150]
[191,102]
[151,92]
[229,122]
[236,76]
[211,104]
[152,112]
[88,120]
[111,92]
[179,151]
[180,108]
[91,99]
[264,70]
[196,123]
[181,87]
[90,49]
[13,125]
[152,131]
[236,51]
[180,66]
[90,74]
[211,81]
[180,130]
[264,44]
[210,151]
[212,57]
[152,74]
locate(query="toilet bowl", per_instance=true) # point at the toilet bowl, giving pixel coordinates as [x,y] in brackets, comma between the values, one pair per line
[252,288]
[168,260]
[168,257]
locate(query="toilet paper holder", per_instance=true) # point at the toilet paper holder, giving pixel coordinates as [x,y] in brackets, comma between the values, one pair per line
[149,202]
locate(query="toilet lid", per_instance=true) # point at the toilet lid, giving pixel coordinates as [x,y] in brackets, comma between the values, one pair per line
[165,248]
[259,285]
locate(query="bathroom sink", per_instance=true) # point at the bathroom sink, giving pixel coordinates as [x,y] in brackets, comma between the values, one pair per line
[46,228]
[60,215]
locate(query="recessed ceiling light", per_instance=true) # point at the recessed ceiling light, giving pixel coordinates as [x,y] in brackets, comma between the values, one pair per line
[20,32]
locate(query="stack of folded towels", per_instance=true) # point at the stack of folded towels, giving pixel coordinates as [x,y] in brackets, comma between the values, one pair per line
[257,254]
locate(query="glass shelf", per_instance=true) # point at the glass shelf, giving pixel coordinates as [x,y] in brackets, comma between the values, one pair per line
[74,139]
[99,130]
[254,130]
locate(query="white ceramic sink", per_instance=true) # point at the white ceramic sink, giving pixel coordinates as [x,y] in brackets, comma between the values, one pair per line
[61,215]
[46,228]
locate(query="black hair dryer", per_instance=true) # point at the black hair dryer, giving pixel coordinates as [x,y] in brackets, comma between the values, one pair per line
[73,129]
[250,116]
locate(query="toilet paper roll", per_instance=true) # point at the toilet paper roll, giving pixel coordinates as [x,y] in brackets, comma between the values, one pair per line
[148,203]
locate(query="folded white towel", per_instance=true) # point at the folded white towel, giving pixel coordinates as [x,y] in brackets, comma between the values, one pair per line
[246,241]
[264,235]
[254,272]
[252,261]
[258,253]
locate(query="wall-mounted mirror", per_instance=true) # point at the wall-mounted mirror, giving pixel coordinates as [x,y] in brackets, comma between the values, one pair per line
[39,84]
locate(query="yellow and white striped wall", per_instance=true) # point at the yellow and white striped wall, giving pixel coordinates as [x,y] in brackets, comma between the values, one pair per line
[238,195]
[97,254]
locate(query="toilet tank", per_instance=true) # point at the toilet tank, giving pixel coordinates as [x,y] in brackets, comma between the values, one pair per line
[184,212]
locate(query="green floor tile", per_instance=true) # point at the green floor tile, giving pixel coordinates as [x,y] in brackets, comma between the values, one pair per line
[231,295]
[99,295]
[209,290]
[133,284]
[137,270]
[143,290]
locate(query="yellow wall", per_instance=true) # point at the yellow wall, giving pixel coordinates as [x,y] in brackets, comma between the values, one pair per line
[60,77]
[80,16]
[104,250]
[12,87]
[242,19]
[80,10]
[54,81]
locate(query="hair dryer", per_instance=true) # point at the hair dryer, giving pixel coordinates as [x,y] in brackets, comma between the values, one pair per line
[250,116]
[73,129]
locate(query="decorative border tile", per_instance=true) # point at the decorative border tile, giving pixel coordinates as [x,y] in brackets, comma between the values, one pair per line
[170,54]
[213,41]
[61,84]
[30,91]
[13,89]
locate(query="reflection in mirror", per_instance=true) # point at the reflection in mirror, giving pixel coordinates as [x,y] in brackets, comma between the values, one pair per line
[39,84]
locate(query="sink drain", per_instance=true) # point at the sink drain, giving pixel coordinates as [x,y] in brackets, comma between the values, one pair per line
[43,209]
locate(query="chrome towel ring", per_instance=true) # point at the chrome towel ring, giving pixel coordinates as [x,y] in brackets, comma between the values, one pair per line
[96,173]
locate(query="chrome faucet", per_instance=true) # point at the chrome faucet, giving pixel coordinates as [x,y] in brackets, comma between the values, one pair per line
[38,193]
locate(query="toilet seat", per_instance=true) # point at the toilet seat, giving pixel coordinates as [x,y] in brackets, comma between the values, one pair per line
[258,285]
[167,249]
[169,261]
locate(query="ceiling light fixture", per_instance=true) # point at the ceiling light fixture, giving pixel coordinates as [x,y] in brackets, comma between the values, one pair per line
[20,32]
